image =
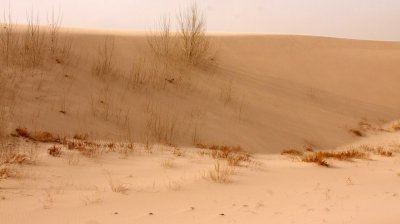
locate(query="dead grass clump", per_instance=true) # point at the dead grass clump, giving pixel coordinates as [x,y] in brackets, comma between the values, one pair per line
[178,152]
[19,158]
[376,150]
[167,163]
[395,126]
[321,156]
[54,151]
[81,137]
[220,174]
[292,152]
[38,136]
[356,132]
[234,155]
[315,158]
[7,171]
[116,187]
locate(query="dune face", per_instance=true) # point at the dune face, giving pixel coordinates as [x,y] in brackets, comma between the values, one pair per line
[98,128]
[264,93]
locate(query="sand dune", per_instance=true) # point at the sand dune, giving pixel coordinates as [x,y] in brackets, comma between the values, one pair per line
[165,149]
[286,91]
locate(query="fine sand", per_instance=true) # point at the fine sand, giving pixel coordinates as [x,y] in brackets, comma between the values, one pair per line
[203,144]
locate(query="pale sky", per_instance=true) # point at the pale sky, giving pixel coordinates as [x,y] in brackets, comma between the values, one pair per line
[360,19]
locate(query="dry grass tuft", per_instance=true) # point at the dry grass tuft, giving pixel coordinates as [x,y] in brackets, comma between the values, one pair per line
[117,187]
[38,136]
[81,137]
[321,156]
[234,155]
[356,132]
[220,174]
[292,152]
[167,163]
[54,151]
[7,171]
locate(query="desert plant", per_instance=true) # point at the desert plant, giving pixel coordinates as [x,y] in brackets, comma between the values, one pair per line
[8,38]
[293,152]
[54,151]
[220,174]
[103,66]
[194,43]
[160,40]
[33,42]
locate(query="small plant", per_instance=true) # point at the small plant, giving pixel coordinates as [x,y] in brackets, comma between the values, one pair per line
[292,152]
[38,136]
[356,132]
[220,174]
[54,151]
[81,137]
[103,66]
[116,187]
[167,163]
[194,43]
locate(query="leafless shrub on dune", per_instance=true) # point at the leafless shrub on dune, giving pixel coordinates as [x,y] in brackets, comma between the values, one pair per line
[33,42]
[194,44]
[160,40]
[9,38]
[59,48]
[103,65]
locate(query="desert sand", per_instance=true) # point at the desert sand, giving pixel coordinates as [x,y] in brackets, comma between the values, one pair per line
[152,150]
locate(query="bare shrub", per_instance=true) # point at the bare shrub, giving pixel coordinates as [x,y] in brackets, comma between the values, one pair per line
[9,38]
[194,43]
[160,40]
[103,66]
[33,42]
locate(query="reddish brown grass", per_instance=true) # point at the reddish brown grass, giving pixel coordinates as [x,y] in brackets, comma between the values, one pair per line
[38,136]
[54,151]
[292,152]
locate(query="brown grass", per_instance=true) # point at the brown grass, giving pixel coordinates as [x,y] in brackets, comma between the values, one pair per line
[292,152]
[37,136]
[220,174]
[54,151]
[81,137]
[320,157]
[356,132]
[233,155]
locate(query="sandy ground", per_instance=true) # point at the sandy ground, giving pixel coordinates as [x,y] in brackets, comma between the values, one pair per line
[272,188]
[265,93]
[274,91]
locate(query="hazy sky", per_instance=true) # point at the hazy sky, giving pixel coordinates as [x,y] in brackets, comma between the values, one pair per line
[361,19]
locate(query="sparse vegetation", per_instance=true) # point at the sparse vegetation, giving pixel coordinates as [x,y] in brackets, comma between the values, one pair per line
[37,136]
[54,151]
[293,152]
[221,174]
[103,65]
